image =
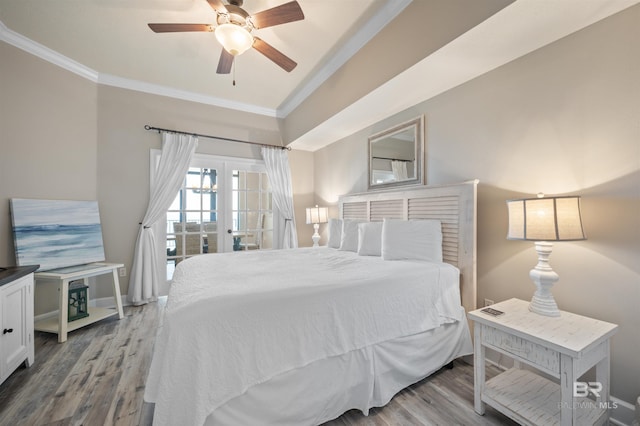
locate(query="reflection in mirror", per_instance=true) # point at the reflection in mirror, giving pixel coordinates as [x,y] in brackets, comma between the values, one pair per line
[395,155]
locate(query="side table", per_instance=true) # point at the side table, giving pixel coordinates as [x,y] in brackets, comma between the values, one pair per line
[62,277]
[563,347]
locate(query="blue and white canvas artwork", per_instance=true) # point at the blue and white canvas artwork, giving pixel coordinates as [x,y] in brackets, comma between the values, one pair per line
[56,233]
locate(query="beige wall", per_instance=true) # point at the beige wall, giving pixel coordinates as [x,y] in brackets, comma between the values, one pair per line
[561,120]
[301,163]
[123,156]
[420,29]
[48,121]
[123,153]
[65,137]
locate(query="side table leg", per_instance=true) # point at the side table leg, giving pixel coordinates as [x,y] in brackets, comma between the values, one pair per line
[602,376]
[567,378]
[63,308]
[478,369]
[116,293]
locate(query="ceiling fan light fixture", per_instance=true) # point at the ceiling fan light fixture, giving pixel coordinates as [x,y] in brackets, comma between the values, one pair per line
[234,28]
[235,39]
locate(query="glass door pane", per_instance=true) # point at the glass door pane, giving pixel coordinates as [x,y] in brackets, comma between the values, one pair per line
[252,225]
[222,206]
[191,227]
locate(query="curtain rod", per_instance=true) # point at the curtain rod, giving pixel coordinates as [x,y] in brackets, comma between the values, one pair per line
[392,159]
[159,130]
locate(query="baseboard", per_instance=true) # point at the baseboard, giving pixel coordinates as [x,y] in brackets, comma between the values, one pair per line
[623,414]
[45,316]
[107,302]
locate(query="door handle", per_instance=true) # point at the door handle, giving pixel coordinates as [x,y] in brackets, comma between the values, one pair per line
[229,231]
[7,330]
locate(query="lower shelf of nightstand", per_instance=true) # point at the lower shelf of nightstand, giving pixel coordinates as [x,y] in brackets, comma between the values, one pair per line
[531,399]
[50,325]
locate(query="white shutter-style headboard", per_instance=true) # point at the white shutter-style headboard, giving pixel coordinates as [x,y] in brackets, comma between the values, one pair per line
[455,206]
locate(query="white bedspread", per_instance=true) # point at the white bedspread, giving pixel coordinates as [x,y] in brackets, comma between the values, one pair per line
[235,320]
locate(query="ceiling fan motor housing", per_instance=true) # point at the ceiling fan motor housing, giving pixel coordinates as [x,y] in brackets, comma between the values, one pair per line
[235,15]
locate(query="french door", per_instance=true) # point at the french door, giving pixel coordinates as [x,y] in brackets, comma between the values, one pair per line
[224,205]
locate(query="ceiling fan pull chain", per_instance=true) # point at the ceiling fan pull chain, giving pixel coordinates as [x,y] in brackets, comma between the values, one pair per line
[234,72]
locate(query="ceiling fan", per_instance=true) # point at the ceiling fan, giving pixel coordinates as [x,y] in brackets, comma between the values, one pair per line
[234,27]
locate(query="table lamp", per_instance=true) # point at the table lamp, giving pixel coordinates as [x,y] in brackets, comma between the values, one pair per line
[317,215]
[545,220]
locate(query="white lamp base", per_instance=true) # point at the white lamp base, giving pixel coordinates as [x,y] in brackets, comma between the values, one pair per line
[316,237]
[544,277]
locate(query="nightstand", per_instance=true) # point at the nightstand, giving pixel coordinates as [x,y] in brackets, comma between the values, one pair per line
[563,348]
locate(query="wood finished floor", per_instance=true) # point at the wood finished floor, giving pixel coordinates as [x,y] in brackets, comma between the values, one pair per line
[98,377]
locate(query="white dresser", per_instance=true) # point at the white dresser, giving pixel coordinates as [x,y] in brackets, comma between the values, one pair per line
[562,348]
[16,319]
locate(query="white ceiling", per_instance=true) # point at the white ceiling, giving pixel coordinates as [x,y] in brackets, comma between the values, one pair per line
[111,37]
[108,41]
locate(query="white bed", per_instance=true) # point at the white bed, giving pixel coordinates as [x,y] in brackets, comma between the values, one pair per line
[297,337]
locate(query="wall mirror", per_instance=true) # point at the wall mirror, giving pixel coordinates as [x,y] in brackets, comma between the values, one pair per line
[396,155]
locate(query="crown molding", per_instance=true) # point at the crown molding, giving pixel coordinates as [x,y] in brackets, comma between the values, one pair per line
[155,89]
[36,49]
[380,19]
[43,52]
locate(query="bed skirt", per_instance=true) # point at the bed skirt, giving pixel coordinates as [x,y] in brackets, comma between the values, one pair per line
[361,379]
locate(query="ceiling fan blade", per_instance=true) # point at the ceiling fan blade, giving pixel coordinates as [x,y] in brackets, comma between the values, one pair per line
[282,14]
[274,54]
[178,28]
[225,62]
[217,5]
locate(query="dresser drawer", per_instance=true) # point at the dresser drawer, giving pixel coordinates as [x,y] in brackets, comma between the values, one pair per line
[522,349]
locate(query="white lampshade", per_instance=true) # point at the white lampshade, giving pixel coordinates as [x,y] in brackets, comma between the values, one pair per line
[545,219]
[317,214]
[234,38]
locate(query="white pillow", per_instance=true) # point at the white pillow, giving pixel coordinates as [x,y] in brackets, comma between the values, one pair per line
[412,239]
[335,233]
[370,238]
[349,239]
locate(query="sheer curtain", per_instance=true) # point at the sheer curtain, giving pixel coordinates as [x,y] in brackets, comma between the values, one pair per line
[276,161]
[177,150]
[399,169]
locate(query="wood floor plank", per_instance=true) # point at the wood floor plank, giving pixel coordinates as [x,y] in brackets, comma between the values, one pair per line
[30,389]
[62,422]
[99,405]
[412,403]
[127,406]
[66,400]
[95,408]
[396,413]
[98,378]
